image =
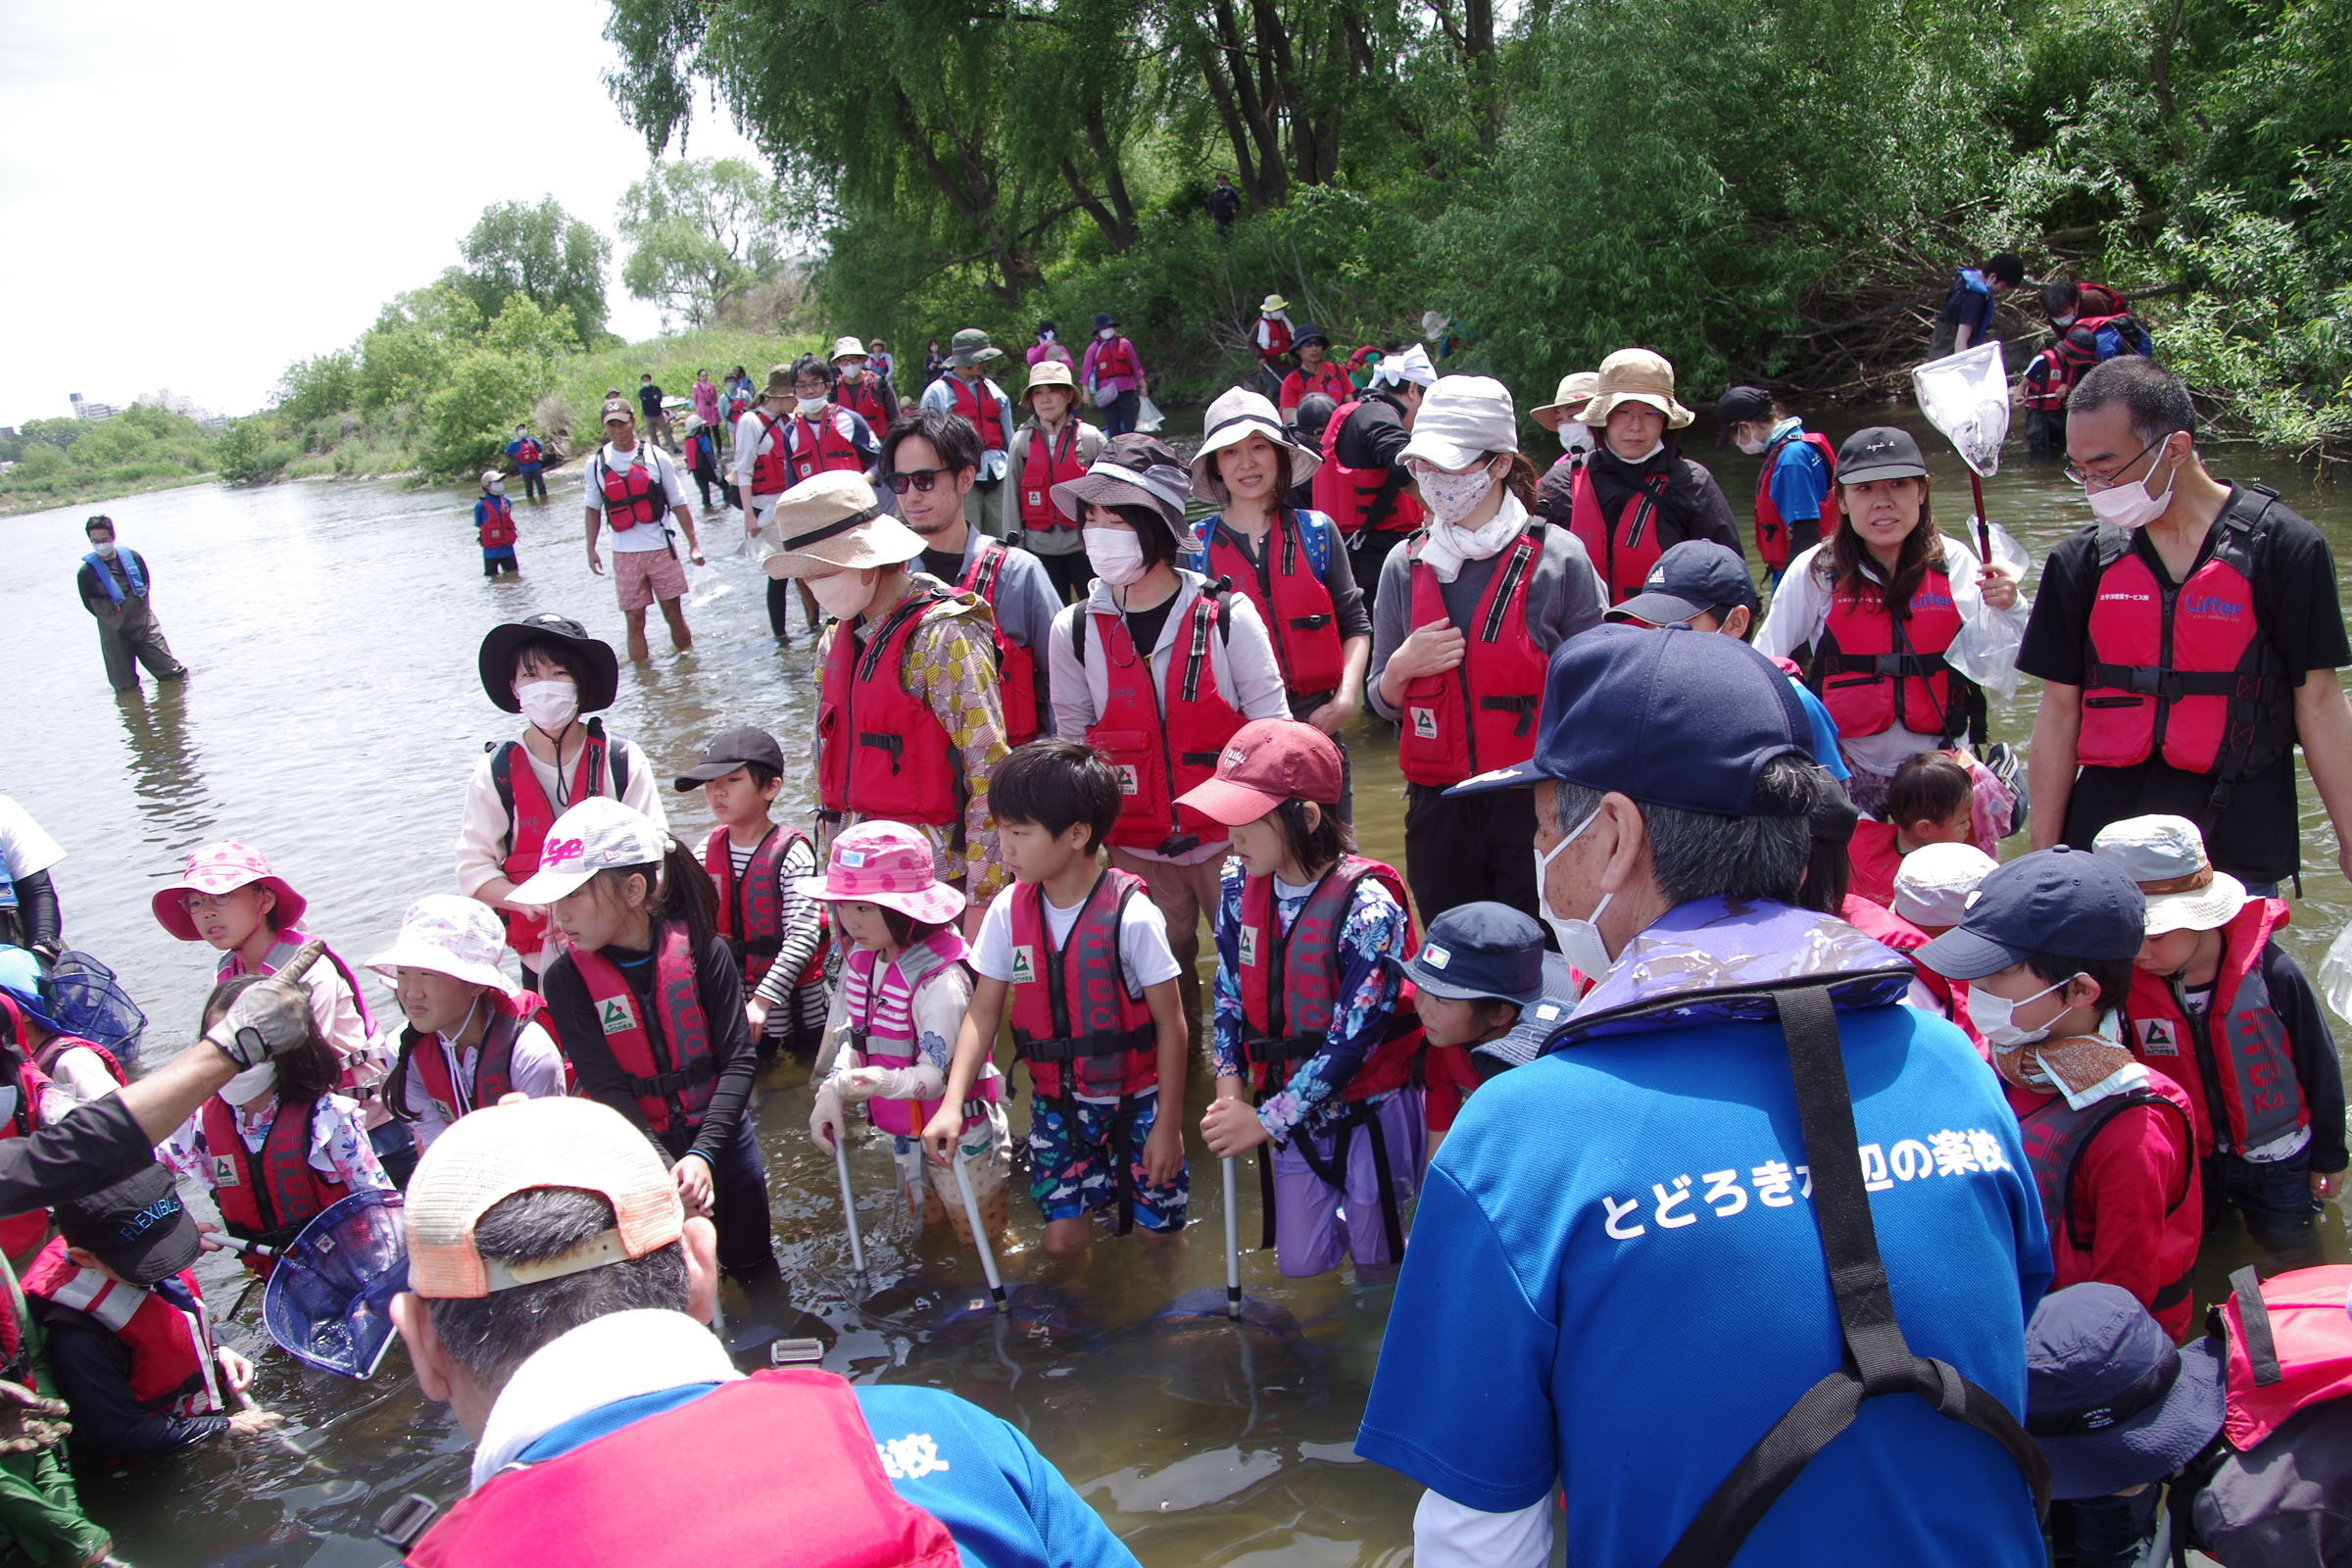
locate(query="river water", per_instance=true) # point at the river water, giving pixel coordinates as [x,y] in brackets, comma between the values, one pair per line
[331,721]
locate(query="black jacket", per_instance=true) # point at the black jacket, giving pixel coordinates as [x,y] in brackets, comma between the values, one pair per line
[94,596]
[1693,507]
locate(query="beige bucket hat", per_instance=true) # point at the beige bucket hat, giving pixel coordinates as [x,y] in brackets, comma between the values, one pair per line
[1237,415]
[833,522]
[1635,375]
[1576,390]
[1050,372]
[846,347]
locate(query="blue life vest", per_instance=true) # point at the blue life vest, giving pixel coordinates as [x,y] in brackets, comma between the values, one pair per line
[130,570]
[1973,282]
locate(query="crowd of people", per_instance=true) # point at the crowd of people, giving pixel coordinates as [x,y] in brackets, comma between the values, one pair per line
[1704,890]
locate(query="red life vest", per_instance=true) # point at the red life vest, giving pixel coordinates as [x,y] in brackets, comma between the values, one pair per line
[2291,1346]
[1883,926]
[529,815]
[2046,384]
[2056,1137]
[1480,714]
[633,493]
[1016,665]
[1875,857]
[1874,673]
[21,1233]
[2187,671]
[493,1062]
[1114,358]
[1289,979]
[631,1495]
[174,1365]
[977,401]
[1290,598]
[884,1034]
[45,1059]
[526,452]
[2096,300]
[1163,743]
[268,1201]
[823,448]
[1327,379]
[672,1083]
[864,398]
[772,465]
[1073,1021]
[1045,464]
[288,942]
[881,751]
[497,528]
[1624,551]
[751,912]
[1353,498]
[1277,339]
[2246,1066]
[1772,530]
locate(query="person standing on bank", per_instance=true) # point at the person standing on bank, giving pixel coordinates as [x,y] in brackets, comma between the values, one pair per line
[1468,615]
[966,390]
[1270,341]
[1634,1245]
[1316,373]
[1638,495]
[1958,629]
[2185,645]
[1051,446]
[929,460]
[1792,482]
[115,588]
[650,399]
[629,483]
[494,525]
[530,460]
[857,388]
[1049,346]
[1113,376]
[1362,484]
[703,397]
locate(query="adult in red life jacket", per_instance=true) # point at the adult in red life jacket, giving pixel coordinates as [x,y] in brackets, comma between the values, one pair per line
[473,1036]
[1316,373]
[762,473]
[548,669]
[2185,647]
[965,390]
[821,436]
[530,460]
[1894,623]
[1270,340]
[494,525]
[648,1008]
[1793,480]
[910,719]
[1362,485]
[1291,564]
[2045,950]
[558,1300]
[1156,670]
[1113,374]
[1051,445]
[930,460]
[2219,1007]
[630,484]
[1317,1045]
[859,388]
[129,1337]
[1469,614]
[1563,417]
[1638,496]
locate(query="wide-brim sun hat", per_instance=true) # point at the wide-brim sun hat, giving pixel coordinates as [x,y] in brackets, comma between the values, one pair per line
[218,868]
[834,523]
[1134,471]
[1234,416]
[888,863]
[1050,373]
[1635,375]
[1575,390]
[1463,419]
[2165,856]
[847,348]
[503,644]
[452,935]
[2111,1403]
[969,347]
[1273,302]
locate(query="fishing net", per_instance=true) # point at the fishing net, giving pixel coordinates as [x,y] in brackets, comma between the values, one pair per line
[1966,396]
[328,1300]
[89,1001]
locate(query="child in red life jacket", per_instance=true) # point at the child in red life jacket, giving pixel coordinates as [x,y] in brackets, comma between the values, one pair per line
[904,990]
[473,1036]
[278,1144]
[227,896]
[775,930]
[1488,996]
[1792,482]
[129,1338]
[77,1069]
[648,1007]
[1311,1019]
[2047,950]
[1929,800]
[2219,1007]
[1076,954]
[1931,894]
[494,525]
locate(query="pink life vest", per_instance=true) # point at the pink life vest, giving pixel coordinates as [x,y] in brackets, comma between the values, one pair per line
[881,1015]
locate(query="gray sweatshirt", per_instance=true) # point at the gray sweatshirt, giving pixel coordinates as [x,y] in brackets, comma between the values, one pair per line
[1563,597]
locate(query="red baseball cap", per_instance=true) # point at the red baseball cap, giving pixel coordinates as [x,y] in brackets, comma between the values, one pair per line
[1268,761]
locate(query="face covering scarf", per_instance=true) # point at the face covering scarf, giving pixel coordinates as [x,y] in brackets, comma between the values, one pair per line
[1449,547]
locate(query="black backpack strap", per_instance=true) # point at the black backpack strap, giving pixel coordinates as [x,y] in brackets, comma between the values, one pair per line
[1877,1359]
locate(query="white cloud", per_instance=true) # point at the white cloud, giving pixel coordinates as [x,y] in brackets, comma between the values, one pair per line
[194,196]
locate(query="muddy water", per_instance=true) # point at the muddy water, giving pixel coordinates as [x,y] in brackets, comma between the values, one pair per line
[331,721]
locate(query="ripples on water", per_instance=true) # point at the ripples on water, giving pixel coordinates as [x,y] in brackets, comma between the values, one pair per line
[334,714]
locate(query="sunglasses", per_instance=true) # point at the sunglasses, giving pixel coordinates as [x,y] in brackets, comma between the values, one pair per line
[922,479]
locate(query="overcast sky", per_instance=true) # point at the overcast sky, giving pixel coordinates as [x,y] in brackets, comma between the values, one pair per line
[192,196]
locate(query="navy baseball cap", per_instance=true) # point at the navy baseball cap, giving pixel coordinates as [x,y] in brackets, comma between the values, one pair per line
[2108,1398]
[138,1227]
[1696,577]
[1474,951]
[1740,405]
[2059,901]
[1667,716]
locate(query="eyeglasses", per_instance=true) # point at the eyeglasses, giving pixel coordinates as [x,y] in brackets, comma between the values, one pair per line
[2115,475]
[915,479]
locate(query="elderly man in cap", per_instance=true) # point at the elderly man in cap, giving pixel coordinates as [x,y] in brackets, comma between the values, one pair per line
[557,1293]
[859,390]
[1703,1204]
[910,721]
[629,483]
[967,391]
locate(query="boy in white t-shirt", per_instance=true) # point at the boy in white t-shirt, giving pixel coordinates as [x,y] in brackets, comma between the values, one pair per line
[1078,955]
[628,484]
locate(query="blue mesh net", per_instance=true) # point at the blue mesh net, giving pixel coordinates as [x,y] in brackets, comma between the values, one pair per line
[85,998]
[328,1300]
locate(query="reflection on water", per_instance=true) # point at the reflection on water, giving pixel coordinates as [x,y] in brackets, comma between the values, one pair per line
[331,718]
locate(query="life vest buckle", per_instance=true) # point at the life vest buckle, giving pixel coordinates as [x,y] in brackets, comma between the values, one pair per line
[894,745]
[404,1523]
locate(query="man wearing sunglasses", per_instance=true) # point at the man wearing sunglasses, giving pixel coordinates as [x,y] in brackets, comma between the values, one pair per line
[2186,644]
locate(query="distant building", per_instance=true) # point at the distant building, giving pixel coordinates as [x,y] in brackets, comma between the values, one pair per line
[84,408]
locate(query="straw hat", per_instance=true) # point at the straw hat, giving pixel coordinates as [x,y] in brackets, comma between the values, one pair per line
[1635,375]
[833,522]
[1576,390]
[1050,372]
[1237,415]
[969,347]
[1274,302]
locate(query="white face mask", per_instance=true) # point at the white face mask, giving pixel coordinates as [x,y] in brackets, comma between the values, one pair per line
[106,552]
[1576,436]
[2130,506]
[809,405]
[1116,555]
[853,373]
[1579,940]
[1105,333]
[1754,446]
[549,704]
[1451,497]
[498,487]
[1991,1015]
[251,1083]
[844,595]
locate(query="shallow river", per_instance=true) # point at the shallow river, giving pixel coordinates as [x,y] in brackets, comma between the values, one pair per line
[331,721]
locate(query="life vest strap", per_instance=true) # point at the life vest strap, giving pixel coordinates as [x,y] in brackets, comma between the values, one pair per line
[2171,685]
[1263,1052]
[894,745]
[663,1085]
[2254,1326]
[1100,1042]
[1889,667]
[1524,706]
